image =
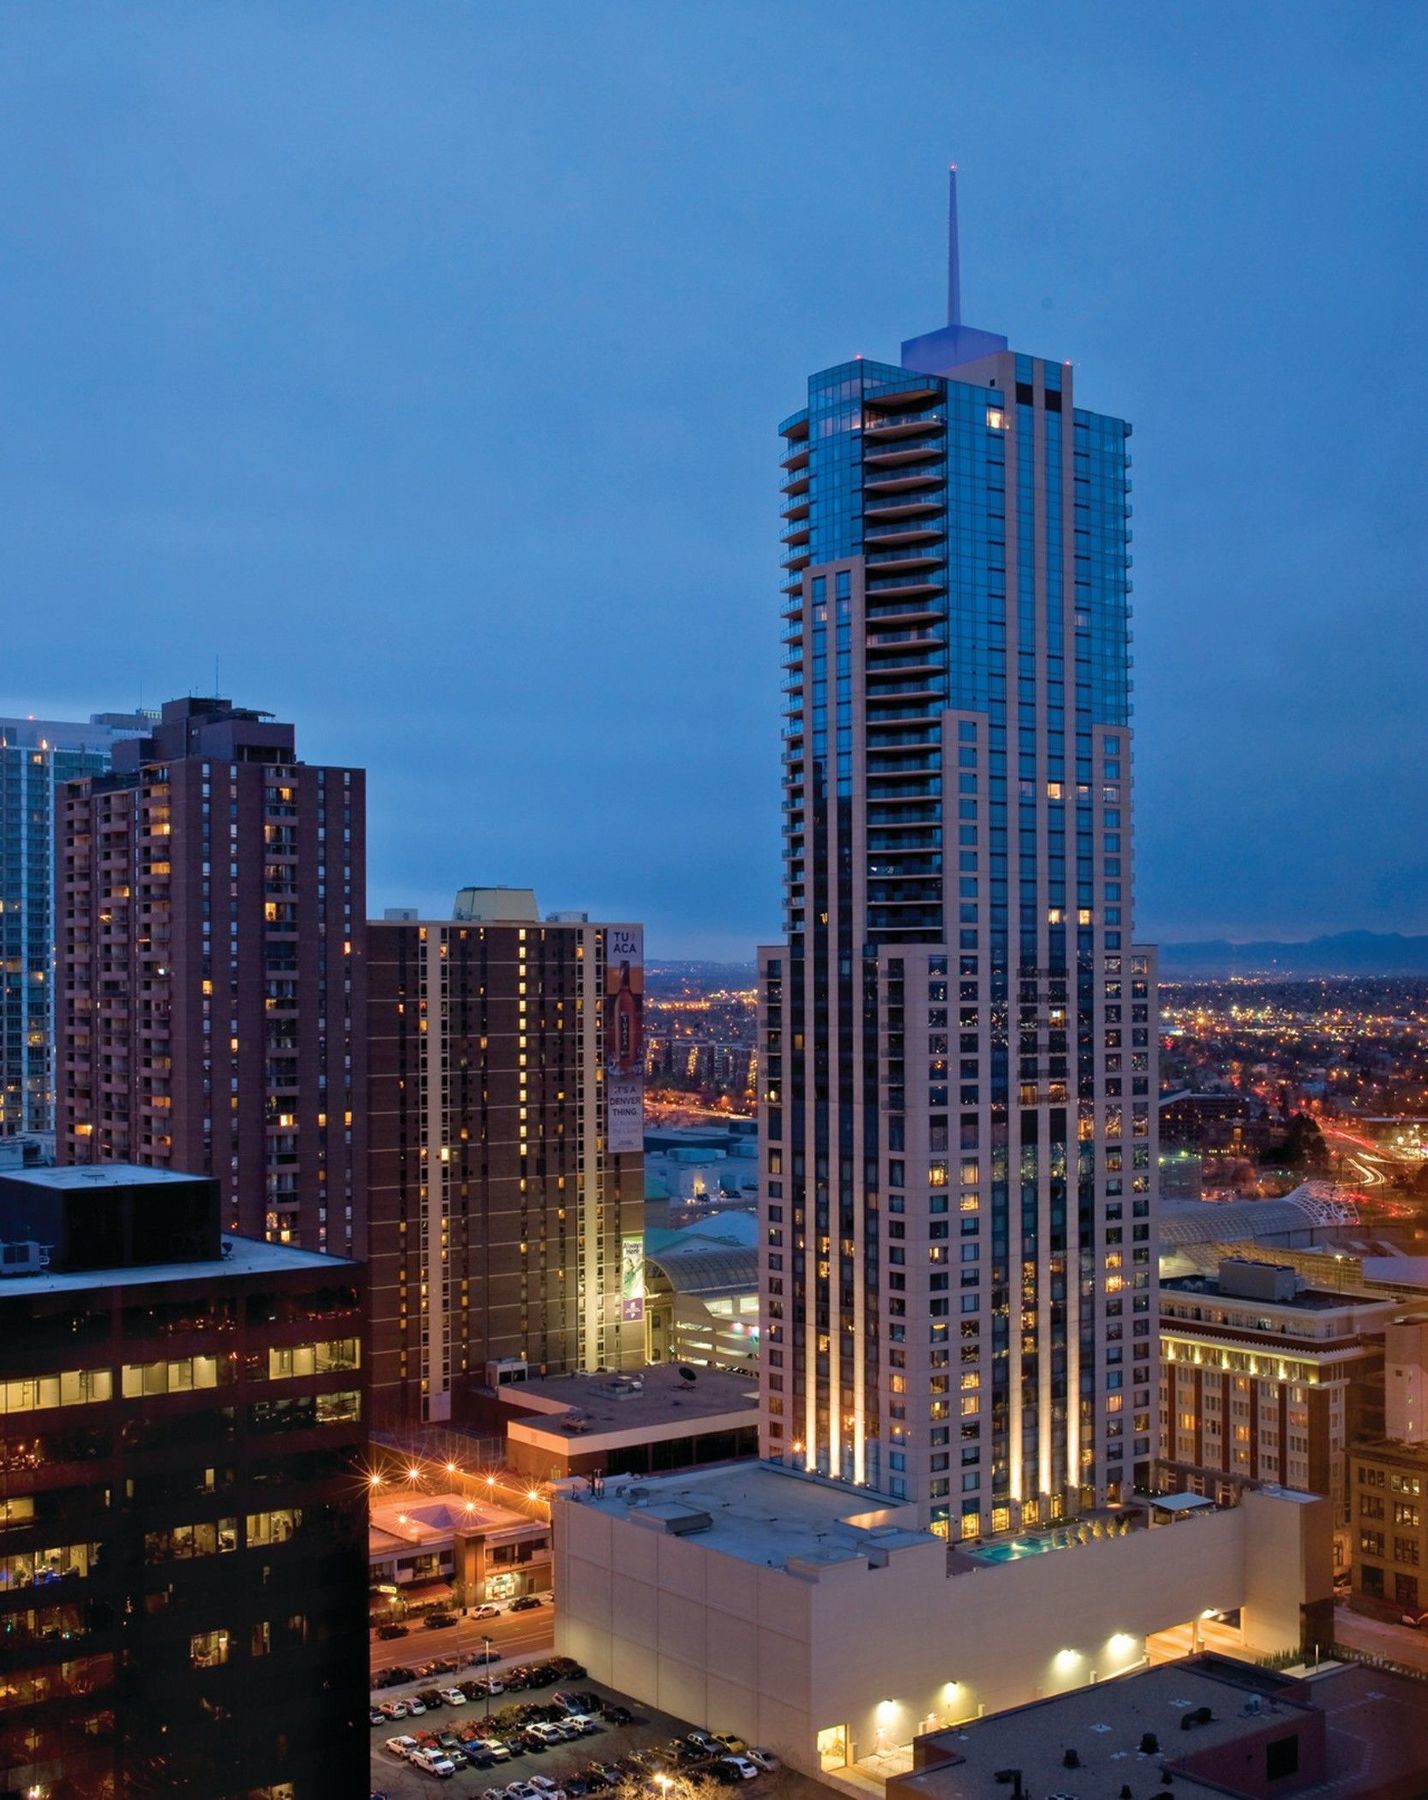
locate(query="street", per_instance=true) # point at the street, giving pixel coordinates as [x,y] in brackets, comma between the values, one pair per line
[1397,1643]
[512,1635]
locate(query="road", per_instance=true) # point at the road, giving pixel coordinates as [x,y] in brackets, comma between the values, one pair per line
[513,1634]
[1399,1643]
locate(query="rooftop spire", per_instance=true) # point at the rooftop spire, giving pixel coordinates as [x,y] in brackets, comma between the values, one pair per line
[954,259]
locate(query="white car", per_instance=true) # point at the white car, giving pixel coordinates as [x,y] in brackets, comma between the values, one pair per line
[453,1696]
[415,1706]
[432,1762]
[542,1783]
[766,1759]
[402,1746]
[745,1765]
[487,1612]
[545,1730]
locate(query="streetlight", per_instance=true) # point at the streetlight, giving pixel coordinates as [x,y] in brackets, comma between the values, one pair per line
[486,1645]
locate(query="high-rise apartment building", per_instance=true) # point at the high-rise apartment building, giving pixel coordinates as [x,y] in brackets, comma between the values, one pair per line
[36,757]
[960,1029]
[211,980]
[506,1179]
[183,1573]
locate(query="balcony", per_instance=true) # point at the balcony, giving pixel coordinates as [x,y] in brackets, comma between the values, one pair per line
[898,504]
[902,424]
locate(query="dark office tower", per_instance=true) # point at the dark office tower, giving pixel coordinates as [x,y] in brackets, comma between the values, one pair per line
[506,1184]
[37,757]
[211,898]
[183,1572]
[959,1101]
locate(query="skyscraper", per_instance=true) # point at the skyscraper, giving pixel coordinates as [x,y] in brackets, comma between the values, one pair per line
[212,902]
[959,1029]
[506,1185]
[36,756]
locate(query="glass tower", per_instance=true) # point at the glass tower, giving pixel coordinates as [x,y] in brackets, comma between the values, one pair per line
[36,757]
[959,1029]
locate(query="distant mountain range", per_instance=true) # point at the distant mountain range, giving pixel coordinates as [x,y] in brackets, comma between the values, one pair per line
[1342,953]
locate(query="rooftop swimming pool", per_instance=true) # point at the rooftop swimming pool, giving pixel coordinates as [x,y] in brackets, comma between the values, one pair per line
[1016,1548]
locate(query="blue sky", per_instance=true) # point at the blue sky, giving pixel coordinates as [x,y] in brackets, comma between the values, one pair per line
[421,364]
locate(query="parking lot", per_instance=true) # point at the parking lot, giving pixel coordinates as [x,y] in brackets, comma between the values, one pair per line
[401,1781]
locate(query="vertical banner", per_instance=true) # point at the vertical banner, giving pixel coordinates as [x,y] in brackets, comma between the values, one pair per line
[632,1277]
[625,1039]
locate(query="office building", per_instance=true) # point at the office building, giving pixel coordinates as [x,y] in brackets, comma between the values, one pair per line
[507,1171]
[182,1451]
[959,1029]
[36,757]
[211,980]
[1267,1378]
[1389,1542]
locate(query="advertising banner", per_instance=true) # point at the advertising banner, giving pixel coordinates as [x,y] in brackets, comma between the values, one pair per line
[625,1038]
[632,1278]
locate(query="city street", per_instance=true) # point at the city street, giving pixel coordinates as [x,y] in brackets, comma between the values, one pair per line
[518,1635]
[1398,1643]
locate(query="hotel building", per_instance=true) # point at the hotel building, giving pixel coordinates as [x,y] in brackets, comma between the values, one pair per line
[507,1169]
[211,982]
[959,1028]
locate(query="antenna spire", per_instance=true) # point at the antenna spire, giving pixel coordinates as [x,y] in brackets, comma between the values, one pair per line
[954,259]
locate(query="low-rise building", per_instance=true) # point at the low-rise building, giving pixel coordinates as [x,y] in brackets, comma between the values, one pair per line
[702,1294]
[1208,1724]
[1389,1543]
[1264,1378]
[647,1422]
[814,1616]
[450,1544]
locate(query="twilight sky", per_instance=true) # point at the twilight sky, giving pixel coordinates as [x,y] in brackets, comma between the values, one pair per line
[421,363]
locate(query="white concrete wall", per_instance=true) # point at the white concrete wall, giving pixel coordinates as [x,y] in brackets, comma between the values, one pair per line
[889,1651]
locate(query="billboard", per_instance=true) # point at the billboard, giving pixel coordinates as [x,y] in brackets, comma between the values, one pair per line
[625,1038]
[632,1277]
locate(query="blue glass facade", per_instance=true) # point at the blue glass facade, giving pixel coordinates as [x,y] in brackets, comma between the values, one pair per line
[959,1056]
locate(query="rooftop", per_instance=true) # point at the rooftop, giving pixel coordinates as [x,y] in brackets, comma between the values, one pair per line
[763,1513]
[654,1396]
[242,1256]
[78,1177]
[1104,1725]
[428,1521]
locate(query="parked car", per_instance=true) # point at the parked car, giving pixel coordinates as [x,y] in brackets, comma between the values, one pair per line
[765,1759]
[402,1746]
[393,1709]
[488,1611]
[432,1762]
[722,1770]
[746,1767]
[453,1696]
[617,1715]
[439,1621]
[525,1603]
[376,1716]
[416,1705]
[391,1630]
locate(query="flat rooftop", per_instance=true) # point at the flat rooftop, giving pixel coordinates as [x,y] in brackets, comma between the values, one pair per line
[1207,1287]
[1376,1733]
[603,1403]
[430,1521]
[763,1513]
[1104,1725]
[77,1177]
[246,1256]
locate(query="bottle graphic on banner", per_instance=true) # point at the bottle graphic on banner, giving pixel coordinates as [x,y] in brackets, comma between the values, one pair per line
[624,1026]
